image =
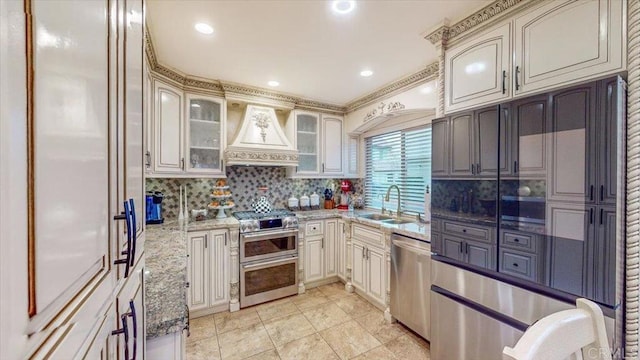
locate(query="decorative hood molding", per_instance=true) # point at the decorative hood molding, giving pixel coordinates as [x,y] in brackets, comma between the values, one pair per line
[261,141]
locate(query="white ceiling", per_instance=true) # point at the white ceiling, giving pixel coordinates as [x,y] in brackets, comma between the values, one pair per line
[310,50]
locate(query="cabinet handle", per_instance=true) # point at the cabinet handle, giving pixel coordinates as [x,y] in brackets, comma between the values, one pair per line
[461,249]
[225,239]
[516,240]
[322,242]
[478,168]
[134,321]
[591,216]
[464,230]
[124,331]
[322,167]
[601,192]
[363,252]
[182,164]
[515,264]
[127,260]
[222,164]
[367,253]
[601,216]
[206,241]
[517,76]
[515,166]
[134,227]
[504,78]
[591,193]
[148,156]
[473,169]
[466,248]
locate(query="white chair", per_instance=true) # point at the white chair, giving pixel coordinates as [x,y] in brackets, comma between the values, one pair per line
[570,334]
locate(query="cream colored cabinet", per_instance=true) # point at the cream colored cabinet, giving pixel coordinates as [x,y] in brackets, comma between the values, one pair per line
[313,258]
[78,131]
[476,71]
[556,43]
[188,134]
[341,250]
[319,141]
[204,130]
[167,126]
[563,42]
[131,316]
[358,265]
[208,271]
[331,247]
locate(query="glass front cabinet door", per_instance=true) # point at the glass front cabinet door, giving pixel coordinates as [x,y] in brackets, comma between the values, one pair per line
[308,142]
[204,134]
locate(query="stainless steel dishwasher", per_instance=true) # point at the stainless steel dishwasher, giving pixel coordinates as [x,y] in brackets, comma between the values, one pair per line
[411,283]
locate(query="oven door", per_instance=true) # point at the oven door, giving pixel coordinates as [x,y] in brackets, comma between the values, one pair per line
[268,280]
[268,245]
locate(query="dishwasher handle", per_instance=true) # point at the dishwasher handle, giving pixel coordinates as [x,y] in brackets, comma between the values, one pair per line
[408,246]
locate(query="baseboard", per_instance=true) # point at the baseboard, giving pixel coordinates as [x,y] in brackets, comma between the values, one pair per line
[208,311]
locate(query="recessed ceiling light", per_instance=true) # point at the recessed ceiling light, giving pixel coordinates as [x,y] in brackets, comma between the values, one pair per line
[343,6]
[204,28]
[273,83]
[366,73]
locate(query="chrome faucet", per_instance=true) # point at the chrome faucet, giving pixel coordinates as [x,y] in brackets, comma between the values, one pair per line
[386,198]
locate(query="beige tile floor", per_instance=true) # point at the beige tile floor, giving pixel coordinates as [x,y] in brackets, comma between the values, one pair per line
[324,323]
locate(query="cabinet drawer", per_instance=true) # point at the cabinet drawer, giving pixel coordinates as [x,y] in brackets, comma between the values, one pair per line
[313,228]
[520,241]
[518,264]
[459,229]
[367,234]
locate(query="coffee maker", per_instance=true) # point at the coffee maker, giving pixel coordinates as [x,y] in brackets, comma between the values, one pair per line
[154,207]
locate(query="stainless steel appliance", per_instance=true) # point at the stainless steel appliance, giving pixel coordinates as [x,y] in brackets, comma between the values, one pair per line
[411,283]
[268,256]
[556,173]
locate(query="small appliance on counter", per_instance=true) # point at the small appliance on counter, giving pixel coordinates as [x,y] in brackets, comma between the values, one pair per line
[154,207]
[346,188]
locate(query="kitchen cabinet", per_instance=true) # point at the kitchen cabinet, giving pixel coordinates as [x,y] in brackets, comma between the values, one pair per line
[469,243]
[319,139]
[189,131]
[321,250]
[352,162]
[369,270]
[593,46]
[512,60]
[131,310]
[476,70]
[487,139]
[208,271]
[612,105]
[204,134]
[79,134]
[341,250]
[167,126]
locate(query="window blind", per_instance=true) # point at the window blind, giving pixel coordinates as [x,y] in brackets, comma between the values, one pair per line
[402,158]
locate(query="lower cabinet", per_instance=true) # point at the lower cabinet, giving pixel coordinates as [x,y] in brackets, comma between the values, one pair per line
[341,250]
[167,347]
[321,250]
[472,252]
[368,273]
[208,271]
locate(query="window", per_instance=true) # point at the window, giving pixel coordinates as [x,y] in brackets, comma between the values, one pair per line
[402,158]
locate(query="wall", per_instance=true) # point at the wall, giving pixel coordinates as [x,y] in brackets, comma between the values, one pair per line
[243,182]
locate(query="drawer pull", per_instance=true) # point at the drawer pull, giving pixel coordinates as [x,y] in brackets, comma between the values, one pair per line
[515,265]
[516,240]
[464,230]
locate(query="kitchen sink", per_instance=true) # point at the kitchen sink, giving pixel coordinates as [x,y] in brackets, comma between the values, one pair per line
[396,221]
[376,217]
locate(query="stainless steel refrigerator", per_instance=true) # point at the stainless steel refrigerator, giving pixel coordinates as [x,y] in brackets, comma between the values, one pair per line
[527,216]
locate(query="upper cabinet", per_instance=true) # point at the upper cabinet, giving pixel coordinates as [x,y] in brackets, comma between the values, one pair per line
[188,134]
[319,139]
[556,43]
[476,70]
[565,42]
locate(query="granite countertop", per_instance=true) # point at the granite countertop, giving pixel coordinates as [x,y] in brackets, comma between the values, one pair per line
[212,224]
[417,230]
[165,279]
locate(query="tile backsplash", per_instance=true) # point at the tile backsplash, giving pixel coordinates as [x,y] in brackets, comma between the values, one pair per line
[243,182]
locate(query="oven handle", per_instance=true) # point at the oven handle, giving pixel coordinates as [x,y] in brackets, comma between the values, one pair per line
[273,262]
[266,234]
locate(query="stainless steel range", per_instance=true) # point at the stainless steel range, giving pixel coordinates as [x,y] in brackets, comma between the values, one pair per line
[268,255]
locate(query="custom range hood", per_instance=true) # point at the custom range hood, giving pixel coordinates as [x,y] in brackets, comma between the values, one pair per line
[260,141]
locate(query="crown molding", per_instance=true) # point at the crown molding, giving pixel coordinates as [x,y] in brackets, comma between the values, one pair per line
[487,15]
[430,72]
